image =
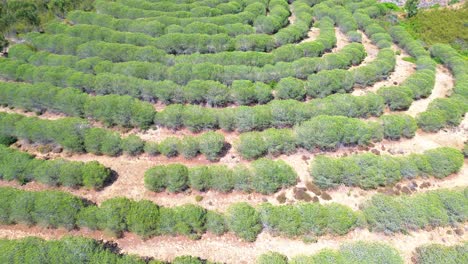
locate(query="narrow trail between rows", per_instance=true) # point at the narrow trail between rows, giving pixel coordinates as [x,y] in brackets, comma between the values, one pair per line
[229,249]
[444,83]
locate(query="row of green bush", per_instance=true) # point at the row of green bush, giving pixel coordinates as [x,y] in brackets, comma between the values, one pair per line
[110,109]
[16,165]
[182,73]
[447,112]
[382,213]
[356,252]
[76,135]
[371,171]
[263,175]
[326,133]
[404,213]
[71,249]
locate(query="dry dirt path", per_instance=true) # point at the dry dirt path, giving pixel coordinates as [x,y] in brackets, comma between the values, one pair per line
[229,249]
[444,83]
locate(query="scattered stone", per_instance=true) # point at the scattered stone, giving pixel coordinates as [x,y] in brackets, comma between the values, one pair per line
[459,231]
[301,194]
[375,151]
[326,196]
[425,185]
[281,198]
[398,187]
[57,149]
[264,200]
[313,188]
[449,232]
[414,184]
[405,190]
[315,199]
[383,147]
[210,203]
[305,158]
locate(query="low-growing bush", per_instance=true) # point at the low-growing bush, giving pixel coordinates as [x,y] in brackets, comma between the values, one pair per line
[371,171]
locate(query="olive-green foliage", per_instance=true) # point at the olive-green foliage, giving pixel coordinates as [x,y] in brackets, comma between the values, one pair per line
[328,132]
[397,126]
[133,145]
[325,83]
[371,171]
[403,213]
[290,88]
[244,221]
[211,145]
[442,112]
[272,258]
[265,176]
[432,27]
[396,97]
[435,253]
[69,249]
[173,177]
[24,168]
[307,219]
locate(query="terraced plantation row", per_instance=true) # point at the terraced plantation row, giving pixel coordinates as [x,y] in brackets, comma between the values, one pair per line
[240,131]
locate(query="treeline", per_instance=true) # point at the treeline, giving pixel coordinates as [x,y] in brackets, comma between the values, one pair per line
[263,175]
[22,167]
[356,252]
[76,135]
[447,112]
[371,171]
[325,133]
[382,213]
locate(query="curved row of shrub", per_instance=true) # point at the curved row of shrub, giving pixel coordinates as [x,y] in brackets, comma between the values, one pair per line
[278,113]
[351,54]
[371,171]
[76,135]
[355,252]
[16,165]
[382,213]
[325,133]
[110,109]
[447,112]
[263,175]
[71,249]
[204,14]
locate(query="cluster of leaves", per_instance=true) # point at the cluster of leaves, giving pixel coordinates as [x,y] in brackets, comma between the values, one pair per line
[76,135]
[265,176]
[16,165]
[357,252]
[435,253]
[371,171]
[403,213]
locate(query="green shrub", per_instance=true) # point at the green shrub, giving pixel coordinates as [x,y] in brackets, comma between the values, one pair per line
[152,148]
[435,253]
[290,88]
[211,145]
[396,97]
[244,221]
[189,147]
[251,145]
[269,176]
[133,145]
[397,126]
[444,161]
[272,258]
[168,147]
[176,177]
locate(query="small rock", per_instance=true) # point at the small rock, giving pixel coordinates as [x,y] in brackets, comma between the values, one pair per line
[264,200]
[459,231]
[383,147]
[406,190]
[449,232]
[326,196]
[315,199]
[375,151]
